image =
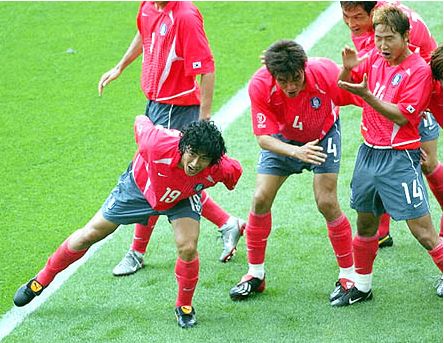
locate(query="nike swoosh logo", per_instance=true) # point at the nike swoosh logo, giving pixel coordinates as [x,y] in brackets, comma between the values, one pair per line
[144,15]
[350,301]
[336,161]
[416,205]
[161,175]
[432,127]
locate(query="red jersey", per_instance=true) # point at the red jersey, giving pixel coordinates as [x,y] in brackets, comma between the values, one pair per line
[309,115]
[175,50]
[420,38]
[435,105]
[408,85]
[156,172]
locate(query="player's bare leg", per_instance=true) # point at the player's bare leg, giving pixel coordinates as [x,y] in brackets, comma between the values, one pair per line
[258,229]
[186,233]
[339,230]
[72,249]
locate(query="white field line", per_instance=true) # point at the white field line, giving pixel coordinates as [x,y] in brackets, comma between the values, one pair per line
[228,113]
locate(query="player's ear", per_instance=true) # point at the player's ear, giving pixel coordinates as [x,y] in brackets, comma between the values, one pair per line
[406,36]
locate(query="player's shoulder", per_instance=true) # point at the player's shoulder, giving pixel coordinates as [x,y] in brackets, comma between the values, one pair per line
[184,10]
[322,64]
[261,81]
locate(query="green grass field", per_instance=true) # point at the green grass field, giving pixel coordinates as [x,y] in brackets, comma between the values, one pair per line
[63,149]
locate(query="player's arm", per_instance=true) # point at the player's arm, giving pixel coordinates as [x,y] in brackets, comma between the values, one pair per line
[206,95]
[231,171]
[387,109]
[133,51]
[310,152]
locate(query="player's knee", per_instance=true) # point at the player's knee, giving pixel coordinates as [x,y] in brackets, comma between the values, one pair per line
[428,165]
[328,206]
[187,250]
[261,203]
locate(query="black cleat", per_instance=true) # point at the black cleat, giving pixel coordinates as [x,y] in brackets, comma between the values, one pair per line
[386,241]
[247,285]
[342,286]
[186,317]
[354,295]
[27,292]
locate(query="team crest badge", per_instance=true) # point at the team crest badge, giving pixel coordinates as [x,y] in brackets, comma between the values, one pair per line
[199,187]
[163,29]
[396,79]
[315,102]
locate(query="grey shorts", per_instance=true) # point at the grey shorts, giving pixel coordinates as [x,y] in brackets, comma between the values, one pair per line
[171,116]
[275,164]
[127,205]
[428,127]
[389,181]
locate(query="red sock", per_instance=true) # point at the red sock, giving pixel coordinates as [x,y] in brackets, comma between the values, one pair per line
[364,253]
[142,234]
[340,234]
[60,260]
[258,229]
[384,225]
[187,275]
[212,211]
[436,255]
[435,183]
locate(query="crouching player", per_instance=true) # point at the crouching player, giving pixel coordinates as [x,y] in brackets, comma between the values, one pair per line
[395,86]
[166,176]
[294,105]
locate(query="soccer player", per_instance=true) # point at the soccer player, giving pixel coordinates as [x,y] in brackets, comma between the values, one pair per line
[357,16]
[436,103]
[294,106]
[166,176]
[175,50]
[395,85]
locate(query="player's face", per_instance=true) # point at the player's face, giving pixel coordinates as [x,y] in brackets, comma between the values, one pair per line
[357,20]
[292,87]
[193,162]
[391,45]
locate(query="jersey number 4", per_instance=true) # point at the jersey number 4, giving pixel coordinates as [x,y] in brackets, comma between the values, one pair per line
[297,124]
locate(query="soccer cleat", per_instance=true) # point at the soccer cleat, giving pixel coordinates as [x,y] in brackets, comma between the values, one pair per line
[386,241]
[342,287]
[353,295]
[186,316]
[230,234]
[439,287]
[247,285]
[27,292]
[130,264]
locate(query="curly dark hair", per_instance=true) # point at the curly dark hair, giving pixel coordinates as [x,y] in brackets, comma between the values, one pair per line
[436,63]
[285,58]
[203,137]
[366,5]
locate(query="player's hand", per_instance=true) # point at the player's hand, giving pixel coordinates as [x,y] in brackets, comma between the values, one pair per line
[310,153]
[350,58]
[423,156]
[359,89]
[107,78]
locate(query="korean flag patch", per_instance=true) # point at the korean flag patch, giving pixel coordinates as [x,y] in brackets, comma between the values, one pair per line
[197,65]
[199,187]
[410,108]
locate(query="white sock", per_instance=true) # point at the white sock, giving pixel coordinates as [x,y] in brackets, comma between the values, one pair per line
[256,270]
[347,273]
[363,282]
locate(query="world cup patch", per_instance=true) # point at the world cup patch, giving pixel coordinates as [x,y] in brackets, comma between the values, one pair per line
[315,102]
[199,187]
[163,29]
[396,79]
[261,119]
